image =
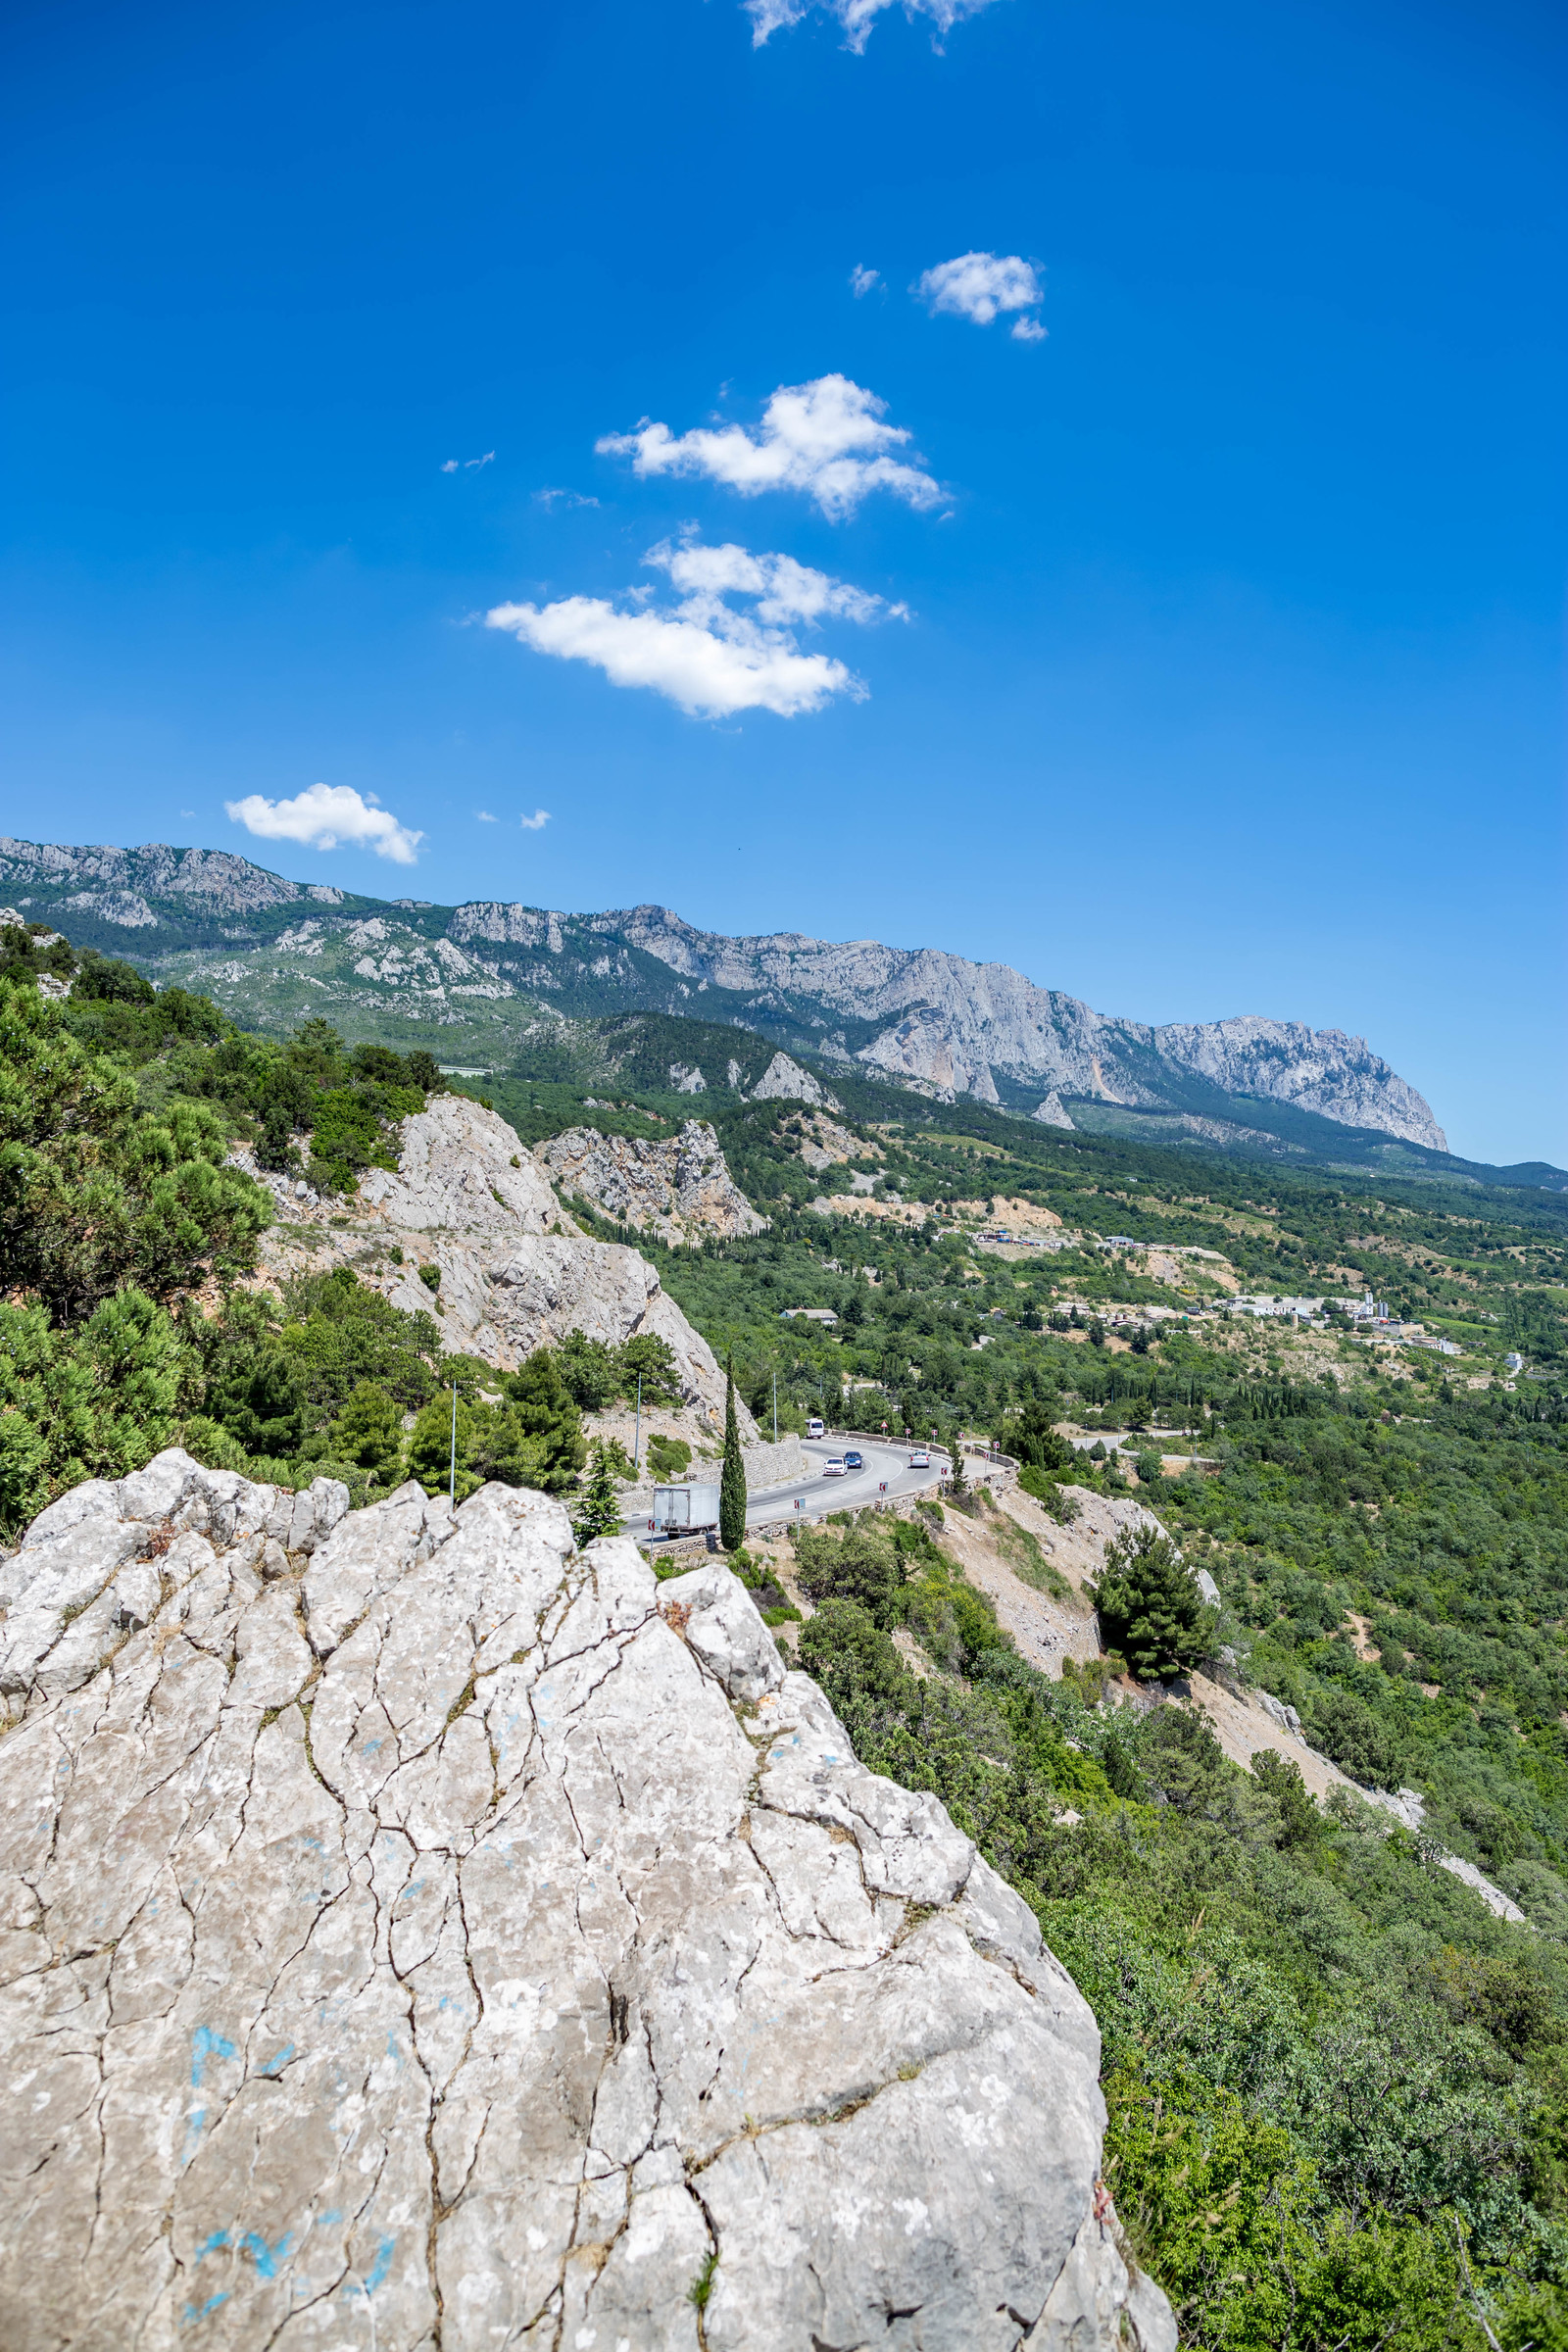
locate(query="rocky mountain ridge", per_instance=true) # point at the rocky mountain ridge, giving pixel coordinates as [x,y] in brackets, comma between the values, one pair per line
[421,1932]
[488,972]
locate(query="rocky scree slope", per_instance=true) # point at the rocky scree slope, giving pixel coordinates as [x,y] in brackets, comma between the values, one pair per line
[468,1202]
[420,1933]
[269,949]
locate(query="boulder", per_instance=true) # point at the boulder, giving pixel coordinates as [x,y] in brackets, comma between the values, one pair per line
[457,1939]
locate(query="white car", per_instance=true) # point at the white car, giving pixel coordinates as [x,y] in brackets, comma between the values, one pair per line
[835,1467]
[919,1459]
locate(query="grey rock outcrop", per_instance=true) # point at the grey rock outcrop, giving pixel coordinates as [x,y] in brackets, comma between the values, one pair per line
[784,1081]
[470,1202]
[1052,1111]
[451,1940]
[678,1186]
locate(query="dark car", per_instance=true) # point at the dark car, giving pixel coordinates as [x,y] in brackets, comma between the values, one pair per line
[853,1462]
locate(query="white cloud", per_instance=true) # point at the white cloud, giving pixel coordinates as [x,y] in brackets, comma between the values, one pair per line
[863,280]
[488,459]
[482,816]
[704,654]
[463,465]
[325,815]
[786,591]
[564,497]
[856,15]
[979,285]
[449,465]
[535,823]
[826,438]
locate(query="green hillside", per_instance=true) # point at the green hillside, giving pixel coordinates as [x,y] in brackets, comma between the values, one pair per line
[1337,2083]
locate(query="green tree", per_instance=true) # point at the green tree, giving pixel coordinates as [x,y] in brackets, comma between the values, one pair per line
[853,1659]
[589,1370]
[262,1401]
[645,1353]
[369,1432]
[1150,1606]
[600,1506]
[94,1402]
[861,1564]
[732,1479]
[429,1454]
[95,1195]
[550,1423]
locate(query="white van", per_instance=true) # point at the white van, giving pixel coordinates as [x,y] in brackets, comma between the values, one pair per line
[813,1427]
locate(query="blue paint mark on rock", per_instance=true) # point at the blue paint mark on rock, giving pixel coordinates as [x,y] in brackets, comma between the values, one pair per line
[275,2065]
[205,2044]
[192,2315]
[266,2258]
[381,2265]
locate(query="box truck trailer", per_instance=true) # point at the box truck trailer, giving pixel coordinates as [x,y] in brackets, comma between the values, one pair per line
[684,1510]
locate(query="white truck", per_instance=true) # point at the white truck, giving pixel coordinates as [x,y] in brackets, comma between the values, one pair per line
[684,1510]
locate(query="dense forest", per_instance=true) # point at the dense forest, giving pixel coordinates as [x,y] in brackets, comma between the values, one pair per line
[1337,2083]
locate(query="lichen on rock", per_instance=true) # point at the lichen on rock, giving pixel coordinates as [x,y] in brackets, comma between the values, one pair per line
[421,1934]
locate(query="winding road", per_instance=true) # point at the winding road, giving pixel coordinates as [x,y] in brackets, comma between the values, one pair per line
[887,1473]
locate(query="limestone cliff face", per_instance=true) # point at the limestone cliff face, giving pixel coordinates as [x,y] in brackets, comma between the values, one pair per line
[935,1021]
[678,1186]
[949,1022]
[422,1935]
[468,1201]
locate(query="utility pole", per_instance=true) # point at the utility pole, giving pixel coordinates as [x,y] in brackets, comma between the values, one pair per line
[637,1430]
[775,1406]
[453,1487]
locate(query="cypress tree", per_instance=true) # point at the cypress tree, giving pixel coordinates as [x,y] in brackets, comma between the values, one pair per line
[732,1484]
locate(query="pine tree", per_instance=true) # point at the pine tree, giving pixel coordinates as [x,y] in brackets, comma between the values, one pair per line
[369,1432]
[548,1422]
[600,1506]
[1150,1606]
[732,1484]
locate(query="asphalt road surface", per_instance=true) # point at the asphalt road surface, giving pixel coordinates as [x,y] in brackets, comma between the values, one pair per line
[886,1473]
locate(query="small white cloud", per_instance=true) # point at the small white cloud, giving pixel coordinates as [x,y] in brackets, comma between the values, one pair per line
[187,813]
[449,465]
[826,438]
[863,280]
[787,591]
[465,464]
[856,15]
[488,459]
[323,817]
[979,285]
[564,497]
[704,654]
[535,823]
[482,816]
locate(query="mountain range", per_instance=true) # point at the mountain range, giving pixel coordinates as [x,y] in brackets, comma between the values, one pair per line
[479,981]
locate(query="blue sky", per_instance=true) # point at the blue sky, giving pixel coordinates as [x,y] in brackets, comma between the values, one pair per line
[1229,674]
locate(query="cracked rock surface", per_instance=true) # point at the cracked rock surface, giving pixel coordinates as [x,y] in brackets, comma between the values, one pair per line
[415,1933]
